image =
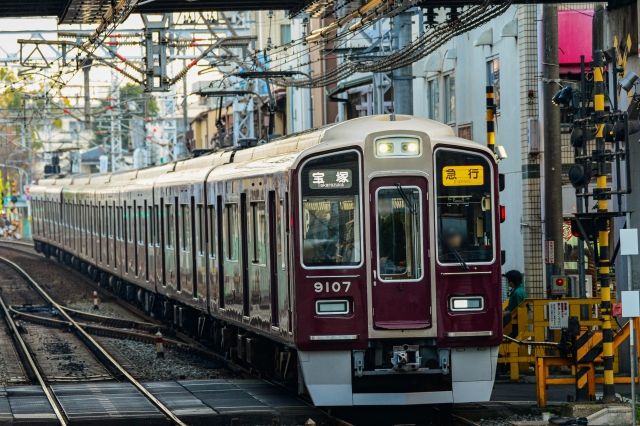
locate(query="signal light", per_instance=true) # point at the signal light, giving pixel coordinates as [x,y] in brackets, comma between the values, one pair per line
[579,175]
[559,285]
[503,214]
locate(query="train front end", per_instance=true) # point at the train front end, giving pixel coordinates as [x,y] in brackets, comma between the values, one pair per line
[397,277]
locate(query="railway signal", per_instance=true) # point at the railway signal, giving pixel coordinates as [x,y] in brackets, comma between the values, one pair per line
[606,127]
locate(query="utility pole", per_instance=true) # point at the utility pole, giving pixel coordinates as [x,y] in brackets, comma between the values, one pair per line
[553,221]
[403,77]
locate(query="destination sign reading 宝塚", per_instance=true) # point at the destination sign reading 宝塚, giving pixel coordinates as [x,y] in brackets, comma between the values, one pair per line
[463,175]
[329,179]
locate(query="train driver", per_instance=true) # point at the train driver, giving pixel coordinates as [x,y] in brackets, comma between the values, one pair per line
[391,240]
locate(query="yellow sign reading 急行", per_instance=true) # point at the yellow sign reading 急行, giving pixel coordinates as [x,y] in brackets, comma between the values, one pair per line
[463,175]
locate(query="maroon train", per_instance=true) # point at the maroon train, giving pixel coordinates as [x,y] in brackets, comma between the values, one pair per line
[361,259]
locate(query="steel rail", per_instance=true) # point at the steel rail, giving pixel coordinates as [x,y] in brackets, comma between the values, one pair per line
[96,346]
[110,331]
[32,363]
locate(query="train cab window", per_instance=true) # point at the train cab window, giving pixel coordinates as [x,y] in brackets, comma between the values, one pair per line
[399,233]
[259,233]
[185,218]
[331,224]
[464,207]
[233,233]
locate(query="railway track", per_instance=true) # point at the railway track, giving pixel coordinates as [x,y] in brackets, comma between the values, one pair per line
[98,350]
[104,326]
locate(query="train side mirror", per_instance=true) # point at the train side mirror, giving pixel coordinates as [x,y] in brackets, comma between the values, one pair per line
[503,257]
[501,181]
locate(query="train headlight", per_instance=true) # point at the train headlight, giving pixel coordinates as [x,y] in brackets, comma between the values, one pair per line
[385,148]
[397,147]
[411,147]
[466,303]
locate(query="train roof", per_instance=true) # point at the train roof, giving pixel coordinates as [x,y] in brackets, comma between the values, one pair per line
[278,155]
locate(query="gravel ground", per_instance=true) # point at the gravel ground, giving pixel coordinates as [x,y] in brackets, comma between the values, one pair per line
[63,285]
[174,366]
[506,421]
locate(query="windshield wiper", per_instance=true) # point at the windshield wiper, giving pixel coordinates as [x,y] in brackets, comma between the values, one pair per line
[405,198]
[456,254]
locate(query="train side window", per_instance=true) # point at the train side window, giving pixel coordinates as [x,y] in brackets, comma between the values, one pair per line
[399,233]
[232,234]
[212,220]
[170,234]
[158,218]
[200,230]
[185,212]
[464,215]
[330,216]
[150,226]
[130,224]
[259,233]
[110,221]
[140,229]
[279,227]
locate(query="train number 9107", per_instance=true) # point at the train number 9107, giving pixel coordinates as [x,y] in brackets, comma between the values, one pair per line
[335,287]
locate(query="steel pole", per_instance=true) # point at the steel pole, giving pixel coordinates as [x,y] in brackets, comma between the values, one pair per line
[600,194]
[403,77]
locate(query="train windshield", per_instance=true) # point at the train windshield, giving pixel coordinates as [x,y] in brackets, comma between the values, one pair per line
[464,208]
[331,226]
[399,235]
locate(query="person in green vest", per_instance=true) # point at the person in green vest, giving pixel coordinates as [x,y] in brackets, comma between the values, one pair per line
[517,295]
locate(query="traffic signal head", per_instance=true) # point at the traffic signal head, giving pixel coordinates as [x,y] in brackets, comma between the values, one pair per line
[563,98]
[14,188]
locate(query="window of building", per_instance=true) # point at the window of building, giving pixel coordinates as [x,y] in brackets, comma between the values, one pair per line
[493,79]
[450,98]
[434,99]
[259,228]
[285,34]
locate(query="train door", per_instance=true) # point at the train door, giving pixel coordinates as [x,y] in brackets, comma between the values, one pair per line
[219,241]
[244,254]
[401,291]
